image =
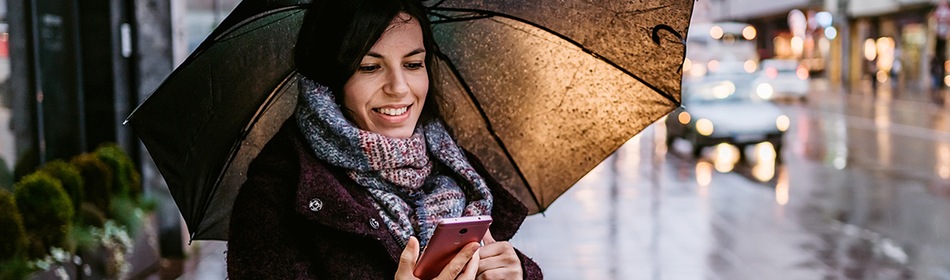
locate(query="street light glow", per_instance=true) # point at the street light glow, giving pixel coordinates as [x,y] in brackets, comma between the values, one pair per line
[713,65]
[870,49]
[764,90]
[683,117]
[831,32]
[704,127]
[823,18]
[782,123]
[750,66]
[716,32]
[798,46]
[748,32]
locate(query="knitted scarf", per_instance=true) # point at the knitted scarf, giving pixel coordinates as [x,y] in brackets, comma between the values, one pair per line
[411,192]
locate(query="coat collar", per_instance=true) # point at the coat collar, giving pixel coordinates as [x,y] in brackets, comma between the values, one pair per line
[325,195]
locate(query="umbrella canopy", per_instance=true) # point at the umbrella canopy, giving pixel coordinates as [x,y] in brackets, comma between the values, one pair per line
[215,112]
[540,91]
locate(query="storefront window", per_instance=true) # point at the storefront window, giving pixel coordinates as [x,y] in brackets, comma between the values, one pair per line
[203,16]
[7,141]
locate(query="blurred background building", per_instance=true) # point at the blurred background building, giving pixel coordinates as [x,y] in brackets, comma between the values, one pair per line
[850,42]
[71,71]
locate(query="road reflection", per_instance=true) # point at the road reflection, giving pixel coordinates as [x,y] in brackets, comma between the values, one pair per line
[882,121]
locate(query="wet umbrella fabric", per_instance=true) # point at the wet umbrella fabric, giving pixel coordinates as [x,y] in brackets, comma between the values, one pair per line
[540,93]
[214,113]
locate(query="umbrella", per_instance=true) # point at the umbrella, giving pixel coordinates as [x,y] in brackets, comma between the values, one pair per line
[539,91]
[550,90]
[209,118]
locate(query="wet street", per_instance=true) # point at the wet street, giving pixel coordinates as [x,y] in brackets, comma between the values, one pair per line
[861,191]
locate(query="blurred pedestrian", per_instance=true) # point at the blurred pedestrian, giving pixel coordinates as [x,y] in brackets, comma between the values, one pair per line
[872,72]
[357,179]
[936,79]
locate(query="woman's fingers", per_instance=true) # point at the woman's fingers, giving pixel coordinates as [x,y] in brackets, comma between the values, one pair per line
[407,260]
[499,261]
[471,268]
[458,263]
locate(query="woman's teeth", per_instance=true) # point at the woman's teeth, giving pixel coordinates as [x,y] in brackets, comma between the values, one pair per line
[393,111]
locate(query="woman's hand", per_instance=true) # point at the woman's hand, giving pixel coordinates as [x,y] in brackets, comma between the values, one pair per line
[463,266]
[498,260]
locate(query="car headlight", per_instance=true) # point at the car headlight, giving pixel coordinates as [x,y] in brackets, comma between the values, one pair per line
[704,127]
[782,123]
[764,91]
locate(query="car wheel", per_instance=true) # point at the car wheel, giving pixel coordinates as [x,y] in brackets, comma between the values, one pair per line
[778,151]
[742,153]
[697,150]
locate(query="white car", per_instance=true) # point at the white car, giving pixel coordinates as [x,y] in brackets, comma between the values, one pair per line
[726,109]
[788,79]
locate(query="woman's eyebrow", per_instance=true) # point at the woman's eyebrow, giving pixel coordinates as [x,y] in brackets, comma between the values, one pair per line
[413,52]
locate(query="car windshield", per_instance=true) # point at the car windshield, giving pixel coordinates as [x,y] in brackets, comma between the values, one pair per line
[739,88]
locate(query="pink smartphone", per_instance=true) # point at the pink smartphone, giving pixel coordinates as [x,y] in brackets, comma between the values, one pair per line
[448,239]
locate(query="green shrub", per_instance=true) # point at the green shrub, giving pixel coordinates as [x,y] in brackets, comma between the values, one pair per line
[126,179]
[15,269]
[46,210]
[12,234]
[97,180]
[90,215]
[69,176]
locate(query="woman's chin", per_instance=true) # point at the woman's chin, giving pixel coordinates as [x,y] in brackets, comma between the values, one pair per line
[397,132]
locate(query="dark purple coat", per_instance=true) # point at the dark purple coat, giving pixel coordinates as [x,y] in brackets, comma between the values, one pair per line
[299,218]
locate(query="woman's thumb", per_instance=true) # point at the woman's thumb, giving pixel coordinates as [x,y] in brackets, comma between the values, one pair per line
[488,239]
[407,260]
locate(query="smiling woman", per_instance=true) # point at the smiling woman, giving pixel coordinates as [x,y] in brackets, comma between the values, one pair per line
[353,186]
[388,91]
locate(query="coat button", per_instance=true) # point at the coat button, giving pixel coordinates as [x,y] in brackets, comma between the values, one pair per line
[316,204]
[373,223]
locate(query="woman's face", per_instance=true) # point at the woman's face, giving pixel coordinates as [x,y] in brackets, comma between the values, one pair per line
[388,90]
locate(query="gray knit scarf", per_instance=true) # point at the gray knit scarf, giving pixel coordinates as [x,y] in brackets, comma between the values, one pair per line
[410,192]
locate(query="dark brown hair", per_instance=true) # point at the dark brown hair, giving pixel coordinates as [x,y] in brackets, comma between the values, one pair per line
[336,34]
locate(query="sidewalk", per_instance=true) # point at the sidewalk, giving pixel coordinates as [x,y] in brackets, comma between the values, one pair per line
[902,92]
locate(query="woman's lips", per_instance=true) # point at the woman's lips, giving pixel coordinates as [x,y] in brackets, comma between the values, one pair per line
[393,114]
[393,111]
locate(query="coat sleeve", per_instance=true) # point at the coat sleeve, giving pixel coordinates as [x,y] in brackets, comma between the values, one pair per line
[530,269]
[262,242]
[507,214]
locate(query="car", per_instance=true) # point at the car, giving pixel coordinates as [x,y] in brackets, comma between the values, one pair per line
[787,78]
[726,109]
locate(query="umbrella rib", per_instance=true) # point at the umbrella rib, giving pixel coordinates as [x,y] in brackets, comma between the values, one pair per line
[489,127]
[437,4]
[487,14]
[238,25]
[448,19]
[256,17]
[271,97]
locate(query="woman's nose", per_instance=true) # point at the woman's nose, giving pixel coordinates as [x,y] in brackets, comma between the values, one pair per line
[397,84]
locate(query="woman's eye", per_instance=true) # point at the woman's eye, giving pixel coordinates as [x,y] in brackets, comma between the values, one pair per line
[415,65]
[368,68]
